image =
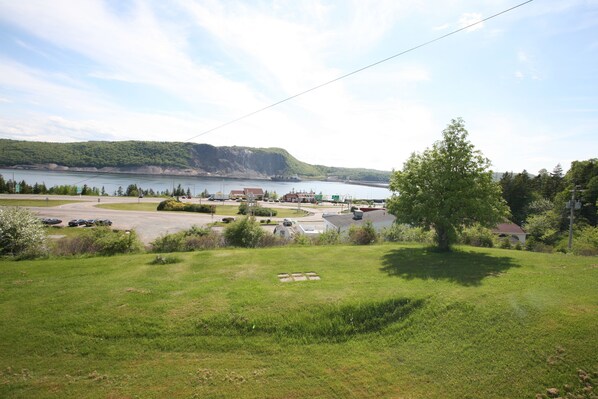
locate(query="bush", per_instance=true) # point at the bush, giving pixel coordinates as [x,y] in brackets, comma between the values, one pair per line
[477,236]
[168,243]
[99,241]
[405,233]
[256,210]
[188,240]
[329,237]
[534,245]
[585,241]
[174,205]
[245,232]
[505,243]
[21,233]
[363,235]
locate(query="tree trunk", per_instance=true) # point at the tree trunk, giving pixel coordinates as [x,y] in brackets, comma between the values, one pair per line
[442,239]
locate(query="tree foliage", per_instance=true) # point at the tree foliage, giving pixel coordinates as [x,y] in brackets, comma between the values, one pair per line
[244,232]
[447,188]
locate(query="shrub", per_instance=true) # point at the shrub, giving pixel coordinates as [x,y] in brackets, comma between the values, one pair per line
[174,205]
[477,236]
[99,241]
[257,210]
[363,235]
[301,239]
[534,245]
[188,240]
[170,205]
[21,233]
[585,241]
[245,232]
[505,243]
[168,243]
[329,237]
[270,240]
[405,233]
[210,241]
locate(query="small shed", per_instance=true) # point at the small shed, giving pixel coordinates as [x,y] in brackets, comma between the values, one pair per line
[511,230]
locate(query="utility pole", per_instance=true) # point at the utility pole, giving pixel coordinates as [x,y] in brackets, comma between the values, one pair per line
[573,205]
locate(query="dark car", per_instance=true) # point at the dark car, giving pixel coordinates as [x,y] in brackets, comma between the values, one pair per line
[103,222]
[51,221]
[76,222]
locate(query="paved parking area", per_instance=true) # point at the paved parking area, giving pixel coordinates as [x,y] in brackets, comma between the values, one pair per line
[148,225]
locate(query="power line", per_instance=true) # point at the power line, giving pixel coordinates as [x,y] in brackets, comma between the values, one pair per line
[359,70]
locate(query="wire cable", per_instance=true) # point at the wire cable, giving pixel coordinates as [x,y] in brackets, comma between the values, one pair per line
[360,70]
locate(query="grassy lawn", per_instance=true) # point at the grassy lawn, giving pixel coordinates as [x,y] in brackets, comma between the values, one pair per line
[35,202]
[130,206]
[384,321]
[221,210]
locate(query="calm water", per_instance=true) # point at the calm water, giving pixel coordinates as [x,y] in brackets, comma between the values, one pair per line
[197,185]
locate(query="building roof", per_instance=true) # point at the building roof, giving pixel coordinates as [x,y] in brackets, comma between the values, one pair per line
[254,191]
[236,192]
[508,228]
[346,220]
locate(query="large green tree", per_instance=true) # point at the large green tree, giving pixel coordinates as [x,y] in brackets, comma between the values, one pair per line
[447,188]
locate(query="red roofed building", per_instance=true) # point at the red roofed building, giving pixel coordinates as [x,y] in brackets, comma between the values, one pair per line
[236,194]
[254,193]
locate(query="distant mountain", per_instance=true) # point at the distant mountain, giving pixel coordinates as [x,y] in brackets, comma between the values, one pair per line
[150,157]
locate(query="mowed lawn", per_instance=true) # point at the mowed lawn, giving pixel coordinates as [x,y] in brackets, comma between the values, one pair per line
[221,210]
[35,202]
[387,321]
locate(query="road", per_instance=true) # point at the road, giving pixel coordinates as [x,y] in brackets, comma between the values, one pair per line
[150,225]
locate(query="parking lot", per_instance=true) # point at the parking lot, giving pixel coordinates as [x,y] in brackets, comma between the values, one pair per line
[150,225]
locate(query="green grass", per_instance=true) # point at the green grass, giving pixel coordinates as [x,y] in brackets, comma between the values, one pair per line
[221,210]
[383,321]
[35,202]
[130,206]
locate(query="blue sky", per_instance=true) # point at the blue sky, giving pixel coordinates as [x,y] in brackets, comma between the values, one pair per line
[526,82]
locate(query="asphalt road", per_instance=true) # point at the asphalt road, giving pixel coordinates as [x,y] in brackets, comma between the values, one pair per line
[150,225]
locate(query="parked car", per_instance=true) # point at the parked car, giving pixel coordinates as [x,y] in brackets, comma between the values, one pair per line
[51,221]
[103,222]
[90,222]
[76,222]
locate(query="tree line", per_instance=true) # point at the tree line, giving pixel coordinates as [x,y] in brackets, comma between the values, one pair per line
[132,190]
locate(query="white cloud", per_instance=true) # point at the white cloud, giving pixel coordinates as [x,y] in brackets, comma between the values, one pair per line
[471,18]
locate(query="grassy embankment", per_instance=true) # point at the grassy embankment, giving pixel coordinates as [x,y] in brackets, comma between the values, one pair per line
[221,210]
[35,202]
[383,321]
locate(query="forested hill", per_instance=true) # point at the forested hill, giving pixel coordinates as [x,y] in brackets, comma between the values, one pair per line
[170,158]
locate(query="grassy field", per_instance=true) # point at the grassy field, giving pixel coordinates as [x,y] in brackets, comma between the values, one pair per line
[384,321]
[130,206]
[34,202]
[221,210]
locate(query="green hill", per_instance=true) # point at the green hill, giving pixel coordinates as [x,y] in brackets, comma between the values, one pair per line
[383,321]
[201,159]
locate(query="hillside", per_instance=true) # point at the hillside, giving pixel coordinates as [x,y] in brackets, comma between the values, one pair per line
[175,158]
[383,321]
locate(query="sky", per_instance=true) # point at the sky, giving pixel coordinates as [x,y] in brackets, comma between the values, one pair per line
[525,82]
